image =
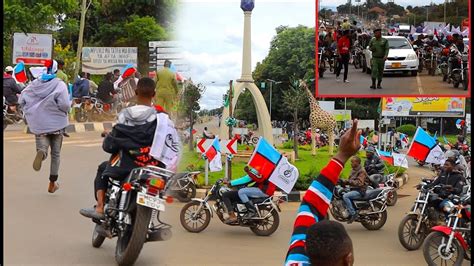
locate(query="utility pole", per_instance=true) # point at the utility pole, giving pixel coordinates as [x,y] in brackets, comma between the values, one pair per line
[84,7]
[229,167]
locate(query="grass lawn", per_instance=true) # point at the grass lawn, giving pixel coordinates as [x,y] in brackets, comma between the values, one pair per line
[309,166]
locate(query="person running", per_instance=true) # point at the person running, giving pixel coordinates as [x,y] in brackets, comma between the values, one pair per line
[46,104]
[343,52]
[323,243]
[379,47]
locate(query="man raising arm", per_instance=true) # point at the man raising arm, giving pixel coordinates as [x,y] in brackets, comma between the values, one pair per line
[314,208]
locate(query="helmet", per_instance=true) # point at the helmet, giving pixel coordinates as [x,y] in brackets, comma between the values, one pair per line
[452,153]
[370,149]
[9,69]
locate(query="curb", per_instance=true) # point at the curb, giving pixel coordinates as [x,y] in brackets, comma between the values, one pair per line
[297,196]
[83,127]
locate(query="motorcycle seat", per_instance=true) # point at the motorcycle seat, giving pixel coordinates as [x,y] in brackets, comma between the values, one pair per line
[258,200]
[372,193]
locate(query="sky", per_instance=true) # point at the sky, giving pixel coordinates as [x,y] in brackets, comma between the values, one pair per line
[211,34]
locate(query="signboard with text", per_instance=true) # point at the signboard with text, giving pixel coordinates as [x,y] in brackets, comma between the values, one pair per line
[32,48]
[424,106]
[100,60]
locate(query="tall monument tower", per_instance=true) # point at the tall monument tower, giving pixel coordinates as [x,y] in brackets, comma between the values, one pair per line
[246,81]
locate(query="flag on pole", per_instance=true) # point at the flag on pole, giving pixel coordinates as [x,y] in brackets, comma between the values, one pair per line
[412,30]
[213,155]
[363,140]
[271,164]
[400,160]
[385,155]
[423,147]
[19,72]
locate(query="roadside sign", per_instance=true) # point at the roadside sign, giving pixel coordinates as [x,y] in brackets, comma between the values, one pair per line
[32,48]
[227,146]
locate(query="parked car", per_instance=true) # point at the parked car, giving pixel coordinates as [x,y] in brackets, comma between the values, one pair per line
[401,56]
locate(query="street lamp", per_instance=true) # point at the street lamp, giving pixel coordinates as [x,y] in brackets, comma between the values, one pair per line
[271,86]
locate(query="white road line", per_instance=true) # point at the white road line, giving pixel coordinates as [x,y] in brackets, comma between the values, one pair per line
[420,87]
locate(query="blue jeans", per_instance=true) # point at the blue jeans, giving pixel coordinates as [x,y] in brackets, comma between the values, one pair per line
[253,192]
[348,197]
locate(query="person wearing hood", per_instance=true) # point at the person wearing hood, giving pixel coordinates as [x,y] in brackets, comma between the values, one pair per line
[46,104]
[81,86]
[131,143]
[10,87]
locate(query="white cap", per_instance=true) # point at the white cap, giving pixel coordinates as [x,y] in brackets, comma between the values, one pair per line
[9,69]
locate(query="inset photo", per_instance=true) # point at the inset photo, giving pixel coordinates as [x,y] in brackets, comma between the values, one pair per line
[393,48]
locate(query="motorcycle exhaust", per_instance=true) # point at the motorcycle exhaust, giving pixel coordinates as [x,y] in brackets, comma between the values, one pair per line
[161,234]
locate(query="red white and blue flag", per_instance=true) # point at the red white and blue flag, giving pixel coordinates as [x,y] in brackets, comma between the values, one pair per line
[19,72]
[272,165]
[363,141]
[424,148]
[213,155]
[385,155]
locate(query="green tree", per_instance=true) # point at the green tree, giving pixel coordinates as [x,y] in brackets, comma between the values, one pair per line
[245,108]
[189,106]
[295,100]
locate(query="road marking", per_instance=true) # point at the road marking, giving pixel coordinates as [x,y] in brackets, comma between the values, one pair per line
[420,87]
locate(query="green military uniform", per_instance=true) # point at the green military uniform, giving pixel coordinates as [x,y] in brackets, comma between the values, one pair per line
[166,89]
[379,48]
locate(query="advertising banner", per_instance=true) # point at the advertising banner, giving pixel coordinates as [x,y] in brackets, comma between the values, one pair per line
[100,60]
[424,106]
[341,115]
[32,48]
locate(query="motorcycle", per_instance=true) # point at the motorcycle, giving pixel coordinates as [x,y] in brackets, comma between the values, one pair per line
[443,63]
[431,59]
[451,243]
[414,227]
[248,139]
[82,107]
[372,209]
[183,186]
[321,62]
[357,55]
[12,116]
[420,53]
[196,215]
[459,72]
[132,213]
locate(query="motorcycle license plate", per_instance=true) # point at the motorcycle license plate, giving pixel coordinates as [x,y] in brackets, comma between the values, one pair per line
[396,65]
[154,202]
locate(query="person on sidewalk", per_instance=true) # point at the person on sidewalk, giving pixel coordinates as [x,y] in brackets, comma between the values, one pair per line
[358,181]
[60,74]
[323,243]
[46,104]
[343,53]
[379,48]
[166,88]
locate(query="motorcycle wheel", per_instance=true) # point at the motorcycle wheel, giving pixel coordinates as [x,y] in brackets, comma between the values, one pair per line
[406,228]
[445,77]
[268,226]
[97,239]
[434,250]
[464,84]
[356,62]
[414,73]
[373,225]
[392,198]
[254,140]
[5,124]
[321,72]
[80,115]
[197,224]
[131,242]
[187,193]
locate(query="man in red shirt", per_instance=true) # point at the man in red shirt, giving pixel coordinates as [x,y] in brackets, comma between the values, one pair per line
[343,52]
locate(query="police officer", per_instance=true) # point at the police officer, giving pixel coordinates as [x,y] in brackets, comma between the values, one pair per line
[379,47]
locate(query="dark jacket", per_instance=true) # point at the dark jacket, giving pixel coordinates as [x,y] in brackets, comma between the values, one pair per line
[374,165]
[104,90]
[10,89]
[80,88]
[130,147]
[454,179]
[359,179]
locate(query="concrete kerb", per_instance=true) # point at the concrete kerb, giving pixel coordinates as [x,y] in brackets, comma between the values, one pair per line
[297,196]
[83,127]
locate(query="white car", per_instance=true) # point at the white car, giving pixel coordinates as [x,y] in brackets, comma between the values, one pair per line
[401,56]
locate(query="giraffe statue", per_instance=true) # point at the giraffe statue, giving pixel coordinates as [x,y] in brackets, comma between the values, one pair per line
[321,119]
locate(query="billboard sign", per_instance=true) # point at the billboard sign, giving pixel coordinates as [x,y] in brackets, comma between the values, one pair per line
[100,60]
[341,115]
[327,106]
[424,106]
[32,48]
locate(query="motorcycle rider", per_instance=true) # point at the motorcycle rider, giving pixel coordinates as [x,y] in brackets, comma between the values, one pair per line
[460,163]
[258,188]
[358,181]
[419,41]
[374,166]
[81,86]
[10,88]
[129,142]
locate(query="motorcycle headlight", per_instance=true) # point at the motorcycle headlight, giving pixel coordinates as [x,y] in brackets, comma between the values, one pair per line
[411,57]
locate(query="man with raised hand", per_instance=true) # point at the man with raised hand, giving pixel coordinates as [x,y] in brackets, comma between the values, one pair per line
[324,243]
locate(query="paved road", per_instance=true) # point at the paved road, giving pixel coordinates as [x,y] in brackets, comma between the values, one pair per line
[393,84]
[46,229]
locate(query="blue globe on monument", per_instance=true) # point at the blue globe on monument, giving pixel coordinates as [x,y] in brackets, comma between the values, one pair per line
[247,5]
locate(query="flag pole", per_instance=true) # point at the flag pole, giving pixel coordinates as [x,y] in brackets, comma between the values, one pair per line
[206,172]
[229,164]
